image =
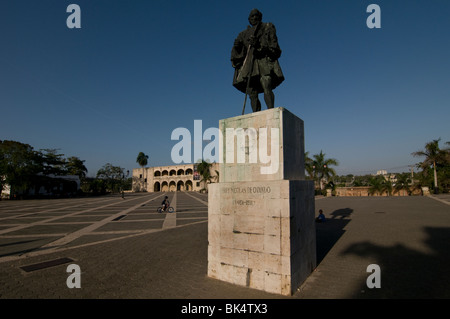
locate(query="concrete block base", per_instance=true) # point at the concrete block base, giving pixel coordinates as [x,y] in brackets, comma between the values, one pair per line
[262,234]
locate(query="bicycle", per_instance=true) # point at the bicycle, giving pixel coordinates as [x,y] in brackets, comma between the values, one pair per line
[169,209]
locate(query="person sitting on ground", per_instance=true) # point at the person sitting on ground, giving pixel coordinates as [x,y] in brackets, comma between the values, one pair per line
[321,217]
[165,203]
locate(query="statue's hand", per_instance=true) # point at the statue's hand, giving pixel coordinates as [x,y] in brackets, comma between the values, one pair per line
[252,40]
[237,65]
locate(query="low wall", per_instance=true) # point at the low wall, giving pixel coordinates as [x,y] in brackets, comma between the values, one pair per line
[364,191]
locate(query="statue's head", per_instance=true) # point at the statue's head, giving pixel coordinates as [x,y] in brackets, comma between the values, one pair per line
[254,17]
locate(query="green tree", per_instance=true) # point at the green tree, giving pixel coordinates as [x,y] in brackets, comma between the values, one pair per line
[322,168]
[94,186]
[75,166]
[51,162]
[142,160]
[112,175]
[19,164]
[434,157]
[24,168]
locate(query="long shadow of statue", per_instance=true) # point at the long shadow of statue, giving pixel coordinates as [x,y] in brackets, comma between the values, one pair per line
[341,213]
[329,232]
[408,273]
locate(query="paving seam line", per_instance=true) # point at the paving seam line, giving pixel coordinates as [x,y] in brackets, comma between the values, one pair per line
[201,201]
[72,236]
[171,218]
[439,200]
[47,210]
[43,222]
[61,249]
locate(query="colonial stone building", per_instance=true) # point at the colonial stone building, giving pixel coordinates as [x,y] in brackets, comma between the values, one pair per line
[171,178]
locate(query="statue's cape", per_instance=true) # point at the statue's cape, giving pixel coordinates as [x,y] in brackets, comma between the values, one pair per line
[262,61]
[259,68]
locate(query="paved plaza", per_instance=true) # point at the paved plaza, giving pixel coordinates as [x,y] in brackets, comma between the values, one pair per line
[126,249]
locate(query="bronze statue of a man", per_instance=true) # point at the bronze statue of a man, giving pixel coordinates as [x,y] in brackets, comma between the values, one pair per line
[255,56]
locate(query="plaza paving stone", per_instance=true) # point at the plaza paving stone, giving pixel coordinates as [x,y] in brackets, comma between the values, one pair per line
[137,257]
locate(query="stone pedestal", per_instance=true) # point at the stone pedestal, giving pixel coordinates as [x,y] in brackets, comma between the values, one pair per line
[261,229]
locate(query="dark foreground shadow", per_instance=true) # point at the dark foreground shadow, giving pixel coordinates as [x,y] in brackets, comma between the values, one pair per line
[329,232]
[408,273]
[24,246]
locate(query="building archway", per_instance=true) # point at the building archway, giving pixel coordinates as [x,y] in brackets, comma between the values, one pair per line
[189,171]
[172,186]
[157,187]
[165,173]
[172,172]
[180,186]
[180,172]
[164,187]
[157,173]
[189,186]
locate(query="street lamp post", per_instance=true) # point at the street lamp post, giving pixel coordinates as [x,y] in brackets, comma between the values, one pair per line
[123,181]
[314,175]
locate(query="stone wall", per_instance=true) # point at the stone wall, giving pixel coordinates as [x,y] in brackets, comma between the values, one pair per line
[364,191]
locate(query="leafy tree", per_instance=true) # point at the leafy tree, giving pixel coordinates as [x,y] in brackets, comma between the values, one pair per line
[95,186]
[51,162]
[434,157]
[112,176]
[24,168]
[75,166]
[18,165]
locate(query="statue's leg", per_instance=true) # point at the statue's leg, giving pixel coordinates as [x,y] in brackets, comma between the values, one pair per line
[256,104]
[269,97]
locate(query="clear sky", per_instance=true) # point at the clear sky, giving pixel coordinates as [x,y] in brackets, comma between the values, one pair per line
[136,70]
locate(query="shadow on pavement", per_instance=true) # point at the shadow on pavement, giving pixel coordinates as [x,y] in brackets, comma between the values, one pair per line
[329,232]
[408,273]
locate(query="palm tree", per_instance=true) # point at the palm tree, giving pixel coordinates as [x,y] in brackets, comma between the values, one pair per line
[447,151]
[309,165]
[142,160]
[387,187]
[403,182]
[433,155]
[321,167]
[204,170]
[377,185]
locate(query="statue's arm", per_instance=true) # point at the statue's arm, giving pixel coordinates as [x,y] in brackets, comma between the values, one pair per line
[272,46]
[238,52]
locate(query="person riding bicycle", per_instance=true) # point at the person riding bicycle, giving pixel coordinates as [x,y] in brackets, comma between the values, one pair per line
[165,203]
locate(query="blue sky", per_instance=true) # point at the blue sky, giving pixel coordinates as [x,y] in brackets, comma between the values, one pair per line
[137,70]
